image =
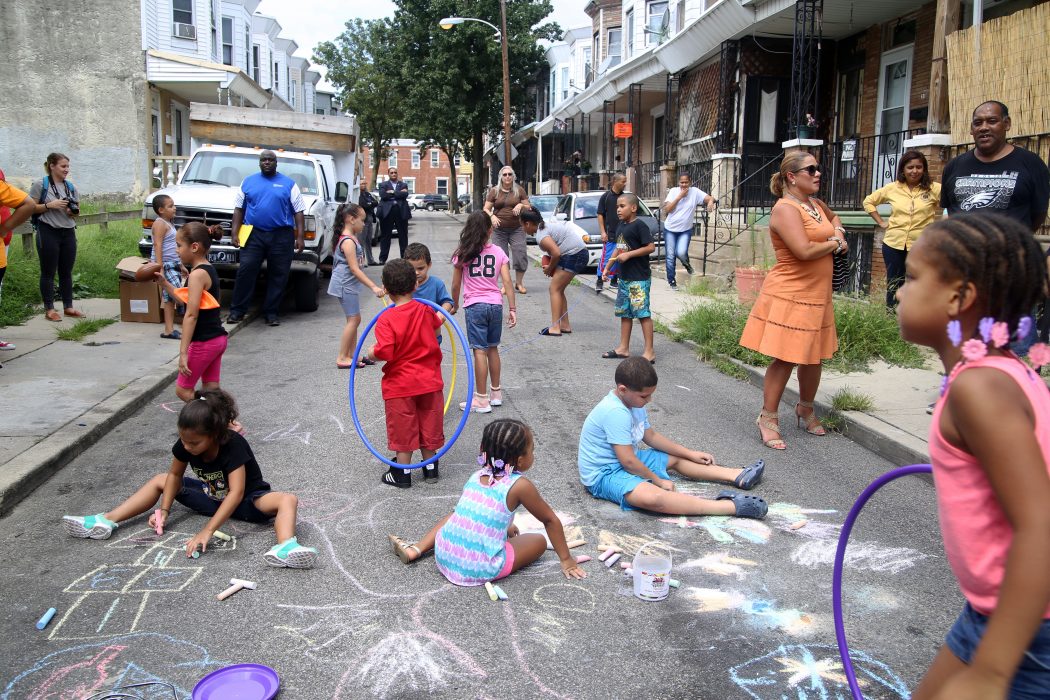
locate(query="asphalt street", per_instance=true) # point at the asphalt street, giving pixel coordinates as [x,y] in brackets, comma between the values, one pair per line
[752,618]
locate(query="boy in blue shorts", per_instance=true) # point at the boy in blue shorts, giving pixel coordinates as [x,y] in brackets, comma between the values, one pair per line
[634,244]
[614,468]
[430,288]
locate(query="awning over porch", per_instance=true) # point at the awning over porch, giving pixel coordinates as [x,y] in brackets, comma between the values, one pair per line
[200,81]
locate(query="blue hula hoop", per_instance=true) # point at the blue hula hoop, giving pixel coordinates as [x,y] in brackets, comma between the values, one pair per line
[470,389]
[840,556]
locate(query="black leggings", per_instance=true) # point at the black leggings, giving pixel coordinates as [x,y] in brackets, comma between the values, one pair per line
[57,249]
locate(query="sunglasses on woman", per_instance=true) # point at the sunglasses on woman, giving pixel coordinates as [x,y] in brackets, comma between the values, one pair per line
[811,169]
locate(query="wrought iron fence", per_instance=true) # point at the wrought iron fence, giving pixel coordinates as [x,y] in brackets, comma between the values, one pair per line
[649,180]
[861,246]
[699,173]
[854,168]
[753,189]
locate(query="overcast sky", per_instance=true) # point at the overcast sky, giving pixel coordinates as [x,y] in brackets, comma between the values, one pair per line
[310,22]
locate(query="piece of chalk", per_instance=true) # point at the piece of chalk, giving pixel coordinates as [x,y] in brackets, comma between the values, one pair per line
[222,536]
[491,591]
[499,592]
[582,558]
[625,565]
[195,554]
[674,583]
[42,622]
[799,525]
[628,572]
[606,554]
[612,560]
[156,519]
[575,543]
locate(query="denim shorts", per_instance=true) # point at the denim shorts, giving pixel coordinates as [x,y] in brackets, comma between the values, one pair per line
[574,262]
[484,325]
[632,299]
[351,303]
[616,483]
[194,496]
[1032,679]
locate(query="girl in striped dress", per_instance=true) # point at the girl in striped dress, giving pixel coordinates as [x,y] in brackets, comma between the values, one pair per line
[477,543]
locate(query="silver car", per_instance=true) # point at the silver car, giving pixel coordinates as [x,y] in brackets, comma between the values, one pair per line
[581,208]
[545,204]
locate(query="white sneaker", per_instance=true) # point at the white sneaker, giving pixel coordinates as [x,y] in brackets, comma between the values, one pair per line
[95,527]
[479,404]
[6,346]
[495,397]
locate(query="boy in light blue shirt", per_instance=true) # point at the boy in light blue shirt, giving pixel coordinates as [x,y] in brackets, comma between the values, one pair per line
[427,287]
[614,468]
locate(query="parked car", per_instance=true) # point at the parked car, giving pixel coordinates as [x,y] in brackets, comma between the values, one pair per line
[430,202]
[545,204]
[415,200]
[581,208]
[464,200]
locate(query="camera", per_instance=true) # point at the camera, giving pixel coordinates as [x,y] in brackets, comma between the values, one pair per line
[74,206]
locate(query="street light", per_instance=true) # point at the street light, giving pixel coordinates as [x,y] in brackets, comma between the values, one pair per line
[501,36]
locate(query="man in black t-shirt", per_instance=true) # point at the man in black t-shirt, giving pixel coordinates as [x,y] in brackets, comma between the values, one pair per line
[995,176]
[607,223]
[634,245]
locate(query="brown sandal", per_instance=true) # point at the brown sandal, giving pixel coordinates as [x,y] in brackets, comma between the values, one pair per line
[764,423]
[52,315]
[813,425]
[74,313]
[401,549]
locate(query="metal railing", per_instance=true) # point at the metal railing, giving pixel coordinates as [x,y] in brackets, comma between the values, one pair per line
[648,175]
[861,247]
[699,173]
[166,169]
[853,168]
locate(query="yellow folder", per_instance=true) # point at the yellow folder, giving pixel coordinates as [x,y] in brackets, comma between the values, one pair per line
[243,233]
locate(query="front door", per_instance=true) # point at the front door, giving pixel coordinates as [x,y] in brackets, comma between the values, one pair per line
[765,130]
[891,116]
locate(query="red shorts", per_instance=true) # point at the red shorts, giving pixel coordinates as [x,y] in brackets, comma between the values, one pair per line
[415,422]
[205,360]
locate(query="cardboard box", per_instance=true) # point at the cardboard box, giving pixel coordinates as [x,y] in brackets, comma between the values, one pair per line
[140,302]
[129,265]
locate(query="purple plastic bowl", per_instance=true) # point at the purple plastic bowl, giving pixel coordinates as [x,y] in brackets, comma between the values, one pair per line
[238,682]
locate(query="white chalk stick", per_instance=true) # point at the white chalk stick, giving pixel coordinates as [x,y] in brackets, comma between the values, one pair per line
[582,558]
[491,591]
[606,554]
[612,560]
[499,592]
[674,583]
[628,572]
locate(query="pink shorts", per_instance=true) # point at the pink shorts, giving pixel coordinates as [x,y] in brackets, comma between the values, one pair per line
[205,360]
[508,565]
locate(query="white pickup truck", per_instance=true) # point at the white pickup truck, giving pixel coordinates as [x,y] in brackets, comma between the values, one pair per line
[227,142]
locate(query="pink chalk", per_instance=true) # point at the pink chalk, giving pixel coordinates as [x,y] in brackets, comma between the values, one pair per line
[157,519]
[606,554]
[582,558]
[625,565]
[612,560]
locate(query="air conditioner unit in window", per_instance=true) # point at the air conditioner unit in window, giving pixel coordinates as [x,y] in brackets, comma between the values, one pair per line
[184,31]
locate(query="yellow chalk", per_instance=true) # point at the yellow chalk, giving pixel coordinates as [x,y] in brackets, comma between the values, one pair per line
[575,543]
[222,536]
[491,591]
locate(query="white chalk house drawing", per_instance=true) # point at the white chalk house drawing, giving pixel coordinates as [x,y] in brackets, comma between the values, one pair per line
[111,599]
[814,672]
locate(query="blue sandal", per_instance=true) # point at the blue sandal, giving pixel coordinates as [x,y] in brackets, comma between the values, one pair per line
[751,476]
[747,506]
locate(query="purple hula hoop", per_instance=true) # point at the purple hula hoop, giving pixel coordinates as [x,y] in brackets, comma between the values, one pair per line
[840,555]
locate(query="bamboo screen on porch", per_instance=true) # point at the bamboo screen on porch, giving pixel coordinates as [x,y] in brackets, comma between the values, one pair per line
[1012,66]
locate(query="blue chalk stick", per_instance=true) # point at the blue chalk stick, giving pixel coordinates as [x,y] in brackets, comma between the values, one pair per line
[499,592]
[42,622]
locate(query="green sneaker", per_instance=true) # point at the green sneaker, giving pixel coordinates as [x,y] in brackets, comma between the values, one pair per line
[95,527]
[291,554]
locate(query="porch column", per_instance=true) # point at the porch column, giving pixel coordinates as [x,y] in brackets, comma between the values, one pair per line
[947,21]
[668,177]
[806,145]
[725,175]
[805,65]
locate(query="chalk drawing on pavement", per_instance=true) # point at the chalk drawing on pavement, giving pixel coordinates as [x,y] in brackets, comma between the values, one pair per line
[567,597]
[814,672]
[859,555]
[725,529]
[720,564]
[326,630]
[762,613]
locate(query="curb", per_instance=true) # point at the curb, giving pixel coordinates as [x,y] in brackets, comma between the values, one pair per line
[874,434]
[34,466]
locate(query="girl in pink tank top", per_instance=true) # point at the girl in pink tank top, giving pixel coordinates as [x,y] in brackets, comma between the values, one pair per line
[970,284]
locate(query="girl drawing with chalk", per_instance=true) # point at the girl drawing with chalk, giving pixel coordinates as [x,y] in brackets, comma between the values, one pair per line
[970,283]
[477,543]
[228,484]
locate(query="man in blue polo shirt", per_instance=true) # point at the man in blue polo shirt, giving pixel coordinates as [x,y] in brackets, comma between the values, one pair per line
[272,205]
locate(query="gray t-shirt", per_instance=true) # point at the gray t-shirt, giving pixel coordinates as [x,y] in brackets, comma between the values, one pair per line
[55,218]
[566,235]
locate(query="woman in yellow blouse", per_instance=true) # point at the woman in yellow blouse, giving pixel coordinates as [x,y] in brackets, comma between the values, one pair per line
[915,203]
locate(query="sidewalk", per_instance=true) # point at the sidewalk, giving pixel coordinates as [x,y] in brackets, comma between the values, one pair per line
[57,398]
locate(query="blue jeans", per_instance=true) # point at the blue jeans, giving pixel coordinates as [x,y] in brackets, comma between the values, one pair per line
[276,247]
[676,245]
[1033,676]
[484,325]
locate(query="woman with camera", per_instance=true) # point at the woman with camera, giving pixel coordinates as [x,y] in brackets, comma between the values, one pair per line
[56,234]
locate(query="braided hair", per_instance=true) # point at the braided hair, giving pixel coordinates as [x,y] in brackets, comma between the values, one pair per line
[209,413]
[504,440]
[999,256]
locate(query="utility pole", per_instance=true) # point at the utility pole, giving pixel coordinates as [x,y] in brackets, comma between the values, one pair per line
[506,83]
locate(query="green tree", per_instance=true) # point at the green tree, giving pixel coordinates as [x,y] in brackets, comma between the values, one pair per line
[364,67]
[453,79]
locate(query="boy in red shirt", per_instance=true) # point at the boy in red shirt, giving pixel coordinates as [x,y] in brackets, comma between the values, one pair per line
[413,389]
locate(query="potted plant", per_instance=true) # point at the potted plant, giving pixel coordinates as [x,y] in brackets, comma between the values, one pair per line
[809,129]
[749,279]
[585,167]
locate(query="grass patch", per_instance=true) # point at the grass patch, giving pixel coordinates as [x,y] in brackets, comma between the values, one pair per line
[663,329]
[83,328]
[729,368]
[703,287]
[849,399]
[834,421]
[866,332]
[93,273]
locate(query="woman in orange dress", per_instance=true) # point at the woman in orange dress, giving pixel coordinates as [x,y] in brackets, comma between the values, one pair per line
[793,320]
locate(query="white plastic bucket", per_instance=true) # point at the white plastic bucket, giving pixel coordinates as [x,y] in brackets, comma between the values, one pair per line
[652,571]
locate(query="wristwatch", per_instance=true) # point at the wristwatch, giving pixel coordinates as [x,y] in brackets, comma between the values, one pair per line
[838,244]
